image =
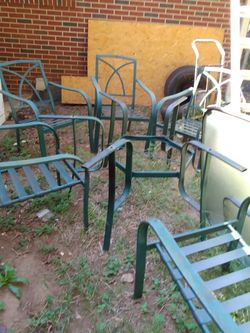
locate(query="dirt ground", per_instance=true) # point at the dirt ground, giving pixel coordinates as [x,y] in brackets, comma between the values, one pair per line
[99,297]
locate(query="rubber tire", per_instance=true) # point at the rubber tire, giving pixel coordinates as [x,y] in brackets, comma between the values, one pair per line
[180,79]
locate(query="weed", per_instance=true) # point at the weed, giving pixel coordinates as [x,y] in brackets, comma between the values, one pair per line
[96,214]
[45,229]
[101,327]
[105,303]
[7,223]
[121,244]
[22,244]
[144,308]
[53,315]
[47,248]
[77,279]
[9,278]
[129,261]
[158,324]
[180,313]
[2,305]
[58,202]
[156,283]
[111,268]
[162,298]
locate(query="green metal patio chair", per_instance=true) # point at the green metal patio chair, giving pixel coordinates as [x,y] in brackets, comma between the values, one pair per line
[204,295]
[21,180]
[116,76]
[30,82]
[121,156]
[206,261]
[187,120]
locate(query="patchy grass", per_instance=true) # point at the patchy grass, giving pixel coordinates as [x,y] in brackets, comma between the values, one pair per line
[75,286]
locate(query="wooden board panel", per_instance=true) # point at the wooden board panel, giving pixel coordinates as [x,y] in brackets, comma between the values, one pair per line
[159,49]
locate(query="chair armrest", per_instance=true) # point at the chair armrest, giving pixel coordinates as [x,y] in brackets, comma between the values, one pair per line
[208,152]
[79,91]
[39,160]
[100,94]
[76,119]
[149,92]
[105,153]
[185,93]
[171,111]
[29,103]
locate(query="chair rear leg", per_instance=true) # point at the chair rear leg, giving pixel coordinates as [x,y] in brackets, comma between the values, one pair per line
[86,201]
[141,252]
[111,203]
[18,140]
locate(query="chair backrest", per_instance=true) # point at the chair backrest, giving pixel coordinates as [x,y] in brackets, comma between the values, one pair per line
[215,80]
[116,75]
[28,79]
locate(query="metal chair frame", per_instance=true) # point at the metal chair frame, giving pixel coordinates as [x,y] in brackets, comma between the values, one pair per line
[24,72]
[67,167]
[220,244]
[124,92]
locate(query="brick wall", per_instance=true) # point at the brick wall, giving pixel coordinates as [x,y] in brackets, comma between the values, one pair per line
[56,30]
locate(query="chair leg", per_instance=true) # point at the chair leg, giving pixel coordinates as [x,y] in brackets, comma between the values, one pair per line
[86,201]
[42,142]
[129,126]
[141,252]
[111,203]
[18,140]
[114,203]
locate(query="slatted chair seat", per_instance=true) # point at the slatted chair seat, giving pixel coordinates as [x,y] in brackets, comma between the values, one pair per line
[201,270]
[23,180]
[132,116]
[189,128]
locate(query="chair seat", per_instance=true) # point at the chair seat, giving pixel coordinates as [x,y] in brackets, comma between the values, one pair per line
[189,127]
[26,182]
[211,268]
[217,250]
[132,115]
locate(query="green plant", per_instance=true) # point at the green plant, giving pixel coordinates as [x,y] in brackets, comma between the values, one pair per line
[22,244]
[112,267]
[180,313]
[156,283]
[57,202]
[158,324]
[47,248]
[144,308]
[2,305]
[7,223]
[162,298]
[76,279]
[54,315]
[9,278]
[101,327]
[105,303]
[45,229]
[128,261]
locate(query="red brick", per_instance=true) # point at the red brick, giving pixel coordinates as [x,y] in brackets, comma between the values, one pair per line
[47,38]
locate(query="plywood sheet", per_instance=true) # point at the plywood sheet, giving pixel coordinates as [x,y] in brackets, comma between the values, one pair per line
[159,48]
